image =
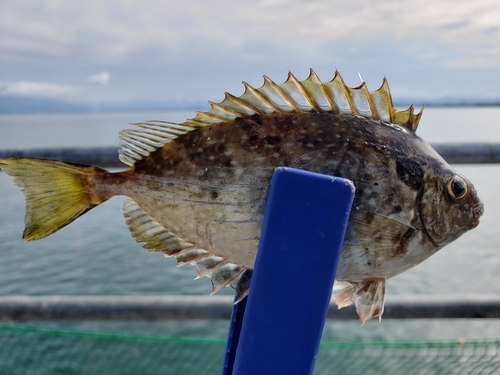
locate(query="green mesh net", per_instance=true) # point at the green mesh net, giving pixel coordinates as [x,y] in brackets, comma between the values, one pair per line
[31,350]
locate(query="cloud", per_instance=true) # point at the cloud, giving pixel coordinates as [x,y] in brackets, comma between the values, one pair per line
[112,30]
[101,78]
[35,89]
[196,49]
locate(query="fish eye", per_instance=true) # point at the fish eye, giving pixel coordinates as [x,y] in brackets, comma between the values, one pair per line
[457,187]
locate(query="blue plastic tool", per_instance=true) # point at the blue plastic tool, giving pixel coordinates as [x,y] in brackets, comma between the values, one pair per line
[302,234]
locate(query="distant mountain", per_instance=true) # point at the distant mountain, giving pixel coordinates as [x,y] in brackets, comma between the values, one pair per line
[15,104]
[447,102]
[19,105]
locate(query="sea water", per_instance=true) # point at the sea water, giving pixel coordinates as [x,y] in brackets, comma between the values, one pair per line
[95,255]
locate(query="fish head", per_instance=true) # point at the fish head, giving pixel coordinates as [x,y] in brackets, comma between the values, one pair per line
[449,206]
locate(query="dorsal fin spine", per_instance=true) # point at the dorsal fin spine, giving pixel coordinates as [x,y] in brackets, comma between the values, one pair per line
[404,118]
[151,140]
[281,93]
[135,147]
[382,101]
[240,105]
[369,98]
[148,140]
[385,85]
[360,100]
[125,159]
[196,123]
[313,78]
[209,118]
[371,106]
[258,100]
[162,130]
[345,91]
[225,112]
[164,125]
[127,152]
[338,92]
[410,124]
[417,117]
[303,92]
[157,140]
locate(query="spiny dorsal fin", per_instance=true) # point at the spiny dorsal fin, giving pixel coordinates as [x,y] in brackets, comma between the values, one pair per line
[144,229]
[291,96]
[138,143]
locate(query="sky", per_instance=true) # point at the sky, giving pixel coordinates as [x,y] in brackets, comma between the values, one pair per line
[133,54]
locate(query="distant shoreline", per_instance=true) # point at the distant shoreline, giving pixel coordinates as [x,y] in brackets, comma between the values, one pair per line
[77,109]
[20,106]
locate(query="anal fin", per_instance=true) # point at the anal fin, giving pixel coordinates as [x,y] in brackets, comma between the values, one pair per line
[367,295]
[154,237]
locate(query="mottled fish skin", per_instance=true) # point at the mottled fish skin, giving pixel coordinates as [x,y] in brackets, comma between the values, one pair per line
[198,189]
[210,186]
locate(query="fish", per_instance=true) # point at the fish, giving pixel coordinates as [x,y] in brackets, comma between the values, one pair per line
[198,189]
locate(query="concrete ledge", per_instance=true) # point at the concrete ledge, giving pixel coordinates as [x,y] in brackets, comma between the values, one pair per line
[469,153]
[106,157]
[24,308]
[453,153]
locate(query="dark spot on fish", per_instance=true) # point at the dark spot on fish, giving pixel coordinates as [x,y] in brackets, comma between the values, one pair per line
[221,147]
[391,192]
[376,184]
[369,216]
[272,140]
[410,172]
[402,241]
[253,138]
[194,155]
[248,124]
[214,194]
[310,141]
[219,133]
[397,209]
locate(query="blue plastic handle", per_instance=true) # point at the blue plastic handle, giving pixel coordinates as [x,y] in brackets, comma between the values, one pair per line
[302,234]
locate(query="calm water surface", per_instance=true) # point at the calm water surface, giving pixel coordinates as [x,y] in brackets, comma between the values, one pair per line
[95,255]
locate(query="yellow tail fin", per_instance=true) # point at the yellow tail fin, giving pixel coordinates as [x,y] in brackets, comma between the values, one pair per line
[56,193]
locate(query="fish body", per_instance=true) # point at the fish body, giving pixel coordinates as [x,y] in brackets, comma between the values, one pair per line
[198,190]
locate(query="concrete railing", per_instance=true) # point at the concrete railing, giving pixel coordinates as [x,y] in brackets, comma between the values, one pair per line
[21,308]
[453,153]
[219,307]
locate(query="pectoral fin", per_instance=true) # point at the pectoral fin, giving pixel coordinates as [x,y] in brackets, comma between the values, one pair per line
[380,233]
[367,295]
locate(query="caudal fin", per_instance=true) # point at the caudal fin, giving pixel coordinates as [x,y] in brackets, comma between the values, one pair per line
[56,193]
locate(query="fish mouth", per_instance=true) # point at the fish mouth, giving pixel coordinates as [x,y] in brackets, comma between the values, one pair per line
[477,212]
